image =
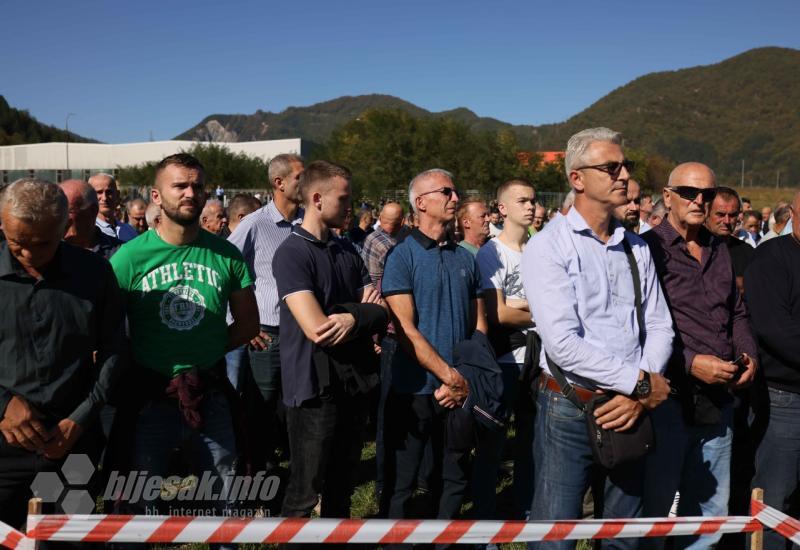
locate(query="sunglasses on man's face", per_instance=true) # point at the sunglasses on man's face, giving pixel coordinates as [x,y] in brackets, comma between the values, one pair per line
[689,193]
[446,191]
[612,168]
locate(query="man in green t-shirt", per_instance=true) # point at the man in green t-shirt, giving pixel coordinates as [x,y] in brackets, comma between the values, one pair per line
[178,283]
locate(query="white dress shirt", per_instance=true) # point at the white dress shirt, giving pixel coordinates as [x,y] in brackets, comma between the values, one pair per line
[580,291]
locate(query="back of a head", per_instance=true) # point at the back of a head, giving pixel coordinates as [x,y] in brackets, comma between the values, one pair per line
[242,204]
[35,202]
[152,213]
[80,195]
[782,214]
[319,175]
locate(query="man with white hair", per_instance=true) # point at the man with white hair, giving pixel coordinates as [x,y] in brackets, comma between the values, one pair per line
[52,385]
[432,287]
[213,218]
[105,185]
[593,290]
[137,217]
[82,230]
[153,215]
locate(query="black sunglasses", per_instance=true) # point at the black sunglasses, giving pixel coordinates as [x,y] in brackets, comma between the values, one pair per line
[446,191]
[612,168]
[689,193]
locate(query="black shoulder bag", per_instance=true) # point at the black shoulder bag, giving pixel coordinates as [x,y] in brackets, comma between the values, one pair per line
[611,448]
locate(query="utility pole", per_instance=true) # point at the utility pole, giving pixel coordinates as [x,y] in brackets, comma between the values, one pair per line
[66,145]
[742,184]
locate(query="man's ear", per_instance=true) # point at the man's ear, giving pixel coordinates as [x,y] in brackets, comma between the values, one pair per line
[155,196]
[576,180]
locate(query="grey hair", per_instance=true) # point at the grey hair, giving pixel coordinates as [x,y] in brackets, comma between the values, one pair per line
[569,200]
[136,202]
[782,214]
[105,175]
[35,201]
[281,165]
[659,209]
[577,145]
[214,202]
[153,211]
[412,195]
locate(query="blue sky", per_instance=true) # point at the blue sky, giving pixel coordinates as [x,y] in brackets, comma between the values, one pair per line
[130,68]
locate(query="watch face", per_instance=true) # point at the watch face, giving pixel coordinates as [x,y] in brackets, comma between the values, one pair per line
[643,387]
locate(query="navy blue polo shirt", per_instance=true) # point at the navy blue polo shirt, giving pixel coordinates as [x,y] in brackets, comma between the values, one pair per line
[443,279]
[331,270]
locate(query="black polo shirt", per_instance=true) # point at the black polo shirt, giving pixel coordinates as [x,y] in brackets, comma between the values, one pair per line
[49,329]
[331,270]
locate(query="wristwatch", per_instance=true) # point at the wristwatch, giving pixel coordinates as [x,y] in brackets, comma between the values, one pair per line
[643,386]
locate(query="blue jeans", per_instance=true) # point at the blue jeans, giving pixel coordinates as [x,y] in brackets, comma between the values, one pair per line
[564,467]
[695,460]
[160,427]
[489,451]
[778,458]
[233,365]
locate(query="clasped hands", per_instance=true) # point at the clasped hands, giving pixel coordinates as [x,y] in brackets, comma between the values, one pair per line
[22,427]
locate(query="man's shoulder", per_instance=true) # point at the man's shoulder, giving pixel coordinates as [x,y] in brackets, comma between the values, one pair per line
[82,260]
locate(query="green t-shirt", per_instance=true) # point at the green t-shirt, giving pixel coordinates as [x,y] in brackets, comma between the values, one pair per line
[177,299]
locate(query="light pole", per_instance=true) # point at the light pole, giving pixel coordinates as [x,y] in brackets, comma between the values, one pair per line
[66,146]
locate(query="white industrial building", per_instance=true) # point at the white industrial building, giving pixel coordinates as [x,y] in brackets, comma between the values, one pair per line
[59,161]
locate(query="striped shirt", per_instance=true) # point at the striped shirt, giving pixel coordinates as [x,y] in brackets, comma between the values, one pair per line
[376,246]
[258,236]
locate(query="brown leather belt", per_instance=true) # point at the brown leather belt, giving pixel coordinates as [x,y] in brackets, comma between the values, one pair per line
[547,381]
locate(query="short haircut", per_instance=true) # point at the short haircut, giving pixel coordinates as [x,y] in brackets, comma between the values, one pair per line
[659,209]
[752,214]
[321,172]
[181,159]
[412,194]
[505,186]
[136,202]
[727,194]
[105,175]
[153,211]
[88,196]
[782,214]
[365,214]
[580,142]
[463,206]
[569,200]
[213,202]
[35,201]
[242,203]
[281,165]
[745,199]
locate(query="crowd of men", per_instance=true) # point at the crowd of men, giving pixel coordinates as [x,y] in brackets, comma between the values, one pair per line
[175,322]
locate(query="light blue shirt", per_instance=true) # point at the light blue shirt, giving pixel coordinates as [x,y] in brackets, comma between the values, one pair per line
[122,231]
[580,291]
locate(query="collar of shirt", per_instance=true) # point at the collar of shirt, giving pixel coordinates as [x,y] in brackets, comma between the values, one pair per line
[426,242]
[103,223]
[300,232]
[579,225]
[275,215]
[10,266]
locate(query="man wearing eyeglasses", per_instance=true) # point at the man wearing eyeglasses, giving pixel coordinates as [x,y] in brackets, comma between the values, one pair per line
[431,286]
[580,287]
[694,428]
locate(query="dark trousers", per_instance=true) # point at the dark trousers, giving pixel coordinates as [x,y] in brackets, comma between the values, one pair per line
[325,441]
[412,421]
[262,397]
[19,467]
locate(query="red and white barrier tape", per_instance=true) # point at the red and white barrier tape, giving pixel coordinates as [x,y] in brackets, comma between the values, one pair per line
[11,538]
[182,529]
[778,521]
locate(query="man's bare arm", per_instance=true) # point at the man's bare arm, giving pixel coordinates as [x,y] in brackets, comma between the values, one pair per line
[401,307]
[323,330]
[244,311]
[500,313]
